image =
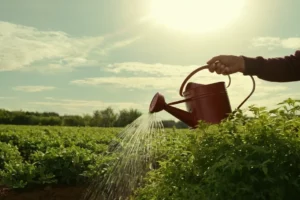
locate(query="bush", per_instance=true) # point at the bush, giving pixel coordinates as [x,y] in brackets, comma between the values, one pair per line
[242,158]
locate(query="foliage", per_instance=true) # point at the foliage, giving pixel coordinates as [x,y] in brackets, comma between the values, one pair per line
[8,153]
[172,123]
[127,117]
[104,118]
[244,157]
[100,118]
[73,120]
[253,156]
[34,156]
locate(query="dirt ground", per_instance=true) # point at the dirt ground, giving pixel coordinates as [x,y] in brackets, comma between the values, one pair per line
[60,193]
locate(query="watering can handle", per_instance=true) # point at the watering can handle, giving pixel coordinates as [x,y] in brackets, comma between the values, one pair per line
[206,67]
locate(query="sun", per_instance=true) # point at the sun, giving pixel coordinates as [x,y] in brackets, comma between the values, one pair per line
[195,15]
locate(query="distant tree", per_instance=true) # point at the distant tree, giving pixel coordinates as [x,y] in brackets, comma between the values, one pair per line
[104,118]
[5,117]
[108,117]
[96,119]
[168,123]
[20,118]
[100,118]
[55,121]
[126,117]
[34,120]
[181,124]
[50,114]
[87,119]
[73,120]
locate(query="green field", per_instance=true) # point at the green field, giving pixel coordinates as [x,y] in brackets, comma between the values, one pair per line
[37,156]
[243,158]
[31,156]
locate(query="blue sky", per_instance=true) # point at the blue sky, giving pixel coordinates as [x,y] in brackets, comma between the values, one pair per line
[76,57]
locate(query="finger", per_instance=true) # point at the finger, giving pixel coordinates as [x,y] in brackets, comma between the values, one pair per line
[220,68]
[214,59]
[226,71]
[212,67]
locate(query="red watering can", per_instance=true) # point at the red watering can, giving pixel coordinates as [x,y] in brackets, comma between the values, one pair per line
[208,103]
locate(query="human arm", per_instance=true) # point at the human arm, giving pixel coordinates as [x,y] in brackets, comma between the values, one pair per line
[281,69]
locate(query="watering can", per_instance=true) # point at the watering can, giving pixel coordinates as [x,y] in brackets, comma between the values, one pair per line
[208,103]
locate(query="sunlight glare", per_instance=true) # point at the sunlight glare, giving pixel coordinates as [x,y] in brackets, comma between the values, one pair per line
[195,15]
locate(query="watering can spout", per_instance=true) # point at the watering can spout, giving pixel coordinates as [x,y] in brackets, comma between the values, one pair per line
[158,104]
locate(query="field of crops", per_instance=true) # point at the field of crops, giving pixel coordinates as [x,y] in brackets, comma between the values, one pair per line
[243,158]
[38,156]
[31,156]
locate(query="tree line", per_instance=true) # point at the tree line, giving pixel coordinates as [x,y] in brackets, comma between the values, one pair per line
[99,118]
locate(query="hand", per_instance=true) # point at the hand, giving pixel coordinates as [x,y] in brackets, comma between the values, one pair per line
[226,64]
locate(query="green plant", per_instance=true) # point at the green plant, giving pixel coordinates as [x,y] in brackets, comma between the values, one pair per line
[244,157]
[37,156]
[8,153]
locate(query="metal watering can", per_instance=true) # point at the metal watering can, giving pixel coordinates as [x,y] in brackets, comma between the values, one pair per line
[209,103]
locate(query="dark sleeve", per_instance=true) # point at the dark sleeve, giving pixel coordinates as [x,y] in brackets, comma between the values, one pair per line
[282,69]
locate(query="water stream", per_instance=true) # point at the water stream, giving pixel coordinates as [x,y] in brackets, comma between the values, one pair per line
[134,150]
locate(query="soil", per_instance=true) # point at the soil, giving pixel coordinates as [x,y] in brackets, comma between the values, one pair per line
[48,193]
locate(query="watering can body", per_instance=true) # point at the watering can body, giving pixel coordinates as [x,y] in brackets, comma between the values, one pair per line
[209,103]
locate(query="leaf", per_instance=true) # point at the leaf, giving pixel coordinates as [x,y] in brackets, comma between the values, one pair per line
[265,170]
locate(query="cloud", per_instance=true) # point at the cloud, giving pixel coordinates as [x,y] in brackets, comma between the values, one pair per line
[151,69]
[131,82]
[151,76]
[159,76]
[33,88]
[276,42]
[117,45]
[27,48]
[7,98]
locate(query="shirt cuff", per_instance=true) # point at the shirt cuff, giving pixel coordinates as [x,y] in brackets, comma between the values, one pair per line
[252,65]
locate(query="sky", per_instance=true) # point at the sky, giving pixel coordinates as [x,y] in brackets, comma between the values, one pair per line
[74,57]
